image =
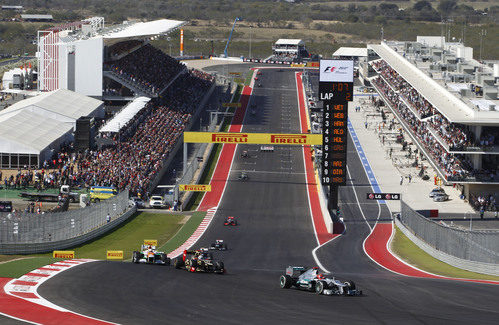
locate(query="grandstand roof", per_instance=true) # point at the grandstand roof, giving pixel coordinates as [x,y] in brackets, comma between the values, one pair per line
[125,115]
[284,41]
[351,51]
[450,106]
[149,28]
[29,133]
[37,17]
[63,105]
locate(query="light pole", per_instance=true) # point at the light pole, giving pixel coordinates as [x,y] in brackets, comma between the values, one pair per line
[483,32]
[250,43]
[470,216]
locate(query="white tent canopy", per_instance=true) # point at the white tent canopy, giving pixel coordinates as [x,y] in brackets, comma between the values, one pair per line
[125,115]
[63,105]
[30,133]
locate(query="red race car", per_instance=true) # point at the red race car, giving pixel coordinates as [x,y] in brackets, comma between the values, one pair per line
[230,221]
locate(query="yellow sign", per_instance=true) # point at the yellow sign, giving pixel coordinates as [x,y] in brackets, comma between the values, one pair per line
[194,188]
[239,80]
[236,73]
[297,65]
[253,138]
[152,242]
[63,254]
[231,104]
[114,255]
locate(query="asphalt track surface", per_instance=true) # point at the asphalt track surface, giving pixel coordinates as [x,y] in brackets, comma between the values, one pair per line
[275,230]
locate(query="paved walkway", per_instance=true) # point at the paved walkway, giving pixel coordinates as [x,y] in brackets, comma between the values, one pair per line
[389,171]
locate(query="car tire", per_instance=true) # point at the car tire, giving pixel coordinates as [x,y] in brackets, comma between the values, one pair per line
[219,267]
[285,281]
[165,259]
[350,284]
[135,257]
[319,287]
[177,263]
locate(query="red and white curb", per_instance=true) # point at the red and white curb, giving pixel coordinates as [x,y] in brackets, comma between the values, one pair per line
[210,214]
[27,285]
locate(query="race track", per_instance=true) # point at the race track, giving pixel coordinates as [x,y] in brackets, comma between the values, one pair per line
[275,230]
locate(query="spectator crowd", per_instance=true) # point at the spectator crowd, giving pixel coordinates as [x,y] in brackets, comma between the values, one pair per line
[456,167]
[457,137]
[141,148]
[148,67]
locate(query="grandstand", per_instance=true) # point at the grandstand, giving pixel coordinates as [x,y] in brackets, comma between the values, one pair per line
[85,60]
[448,103]
[289,50]
[96,61]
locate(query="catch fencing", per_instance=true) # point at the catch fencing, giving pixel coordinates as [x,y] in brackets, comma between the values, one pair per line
[33,229]
[478,246]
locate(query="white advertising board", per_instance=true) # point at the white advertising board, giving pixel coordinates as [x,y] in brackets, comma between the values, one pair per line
[336,71]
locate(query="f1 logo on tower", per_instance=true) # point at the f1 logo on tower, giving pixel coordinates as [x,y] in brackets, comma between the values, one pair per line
[336,71]
[329,69]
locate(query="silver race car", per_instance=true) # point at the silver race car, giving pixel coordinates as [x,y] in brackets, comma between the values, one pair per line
[312,279]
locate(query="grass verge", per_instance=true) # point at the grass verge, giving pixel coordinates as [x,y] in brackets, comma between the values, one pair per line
[17,268]
[128,237]
[185,232]
[412,254]
[249,76]
[214,155]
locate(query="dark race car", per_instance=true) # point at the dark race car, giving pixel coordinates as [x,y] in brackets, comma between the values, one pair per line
[313,280]
[148,254]
[199,261]
[230,221]
[243,177]
[219,245]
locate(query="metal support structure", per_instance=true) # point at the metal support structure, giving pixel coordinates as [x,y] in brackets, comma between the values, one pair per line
[333,197]
[185,158]
[230,36]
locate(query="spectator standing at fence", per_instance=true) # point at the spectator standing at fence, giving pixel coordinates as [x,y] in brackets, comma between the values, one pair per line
[482,211]
[108,218]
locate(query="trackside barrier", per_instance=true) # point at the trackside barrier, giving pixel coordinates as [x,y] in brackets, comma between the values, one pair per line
[39,233]
[62,244]
[478,267]
[189,176]
[472,246]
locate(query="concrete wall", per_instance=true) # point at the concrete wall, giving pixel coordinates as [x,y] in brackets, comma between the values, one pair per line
[484,268]
[63,244]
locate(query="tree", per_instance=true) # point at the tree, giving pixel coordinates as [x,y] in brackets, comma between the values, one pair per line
[446,7]
[422,5]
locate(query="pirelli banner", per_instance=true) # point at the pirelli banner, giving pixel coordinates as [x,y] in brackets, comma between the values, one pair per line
[194,188]
[63,254]
[114,255]
[253,138]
